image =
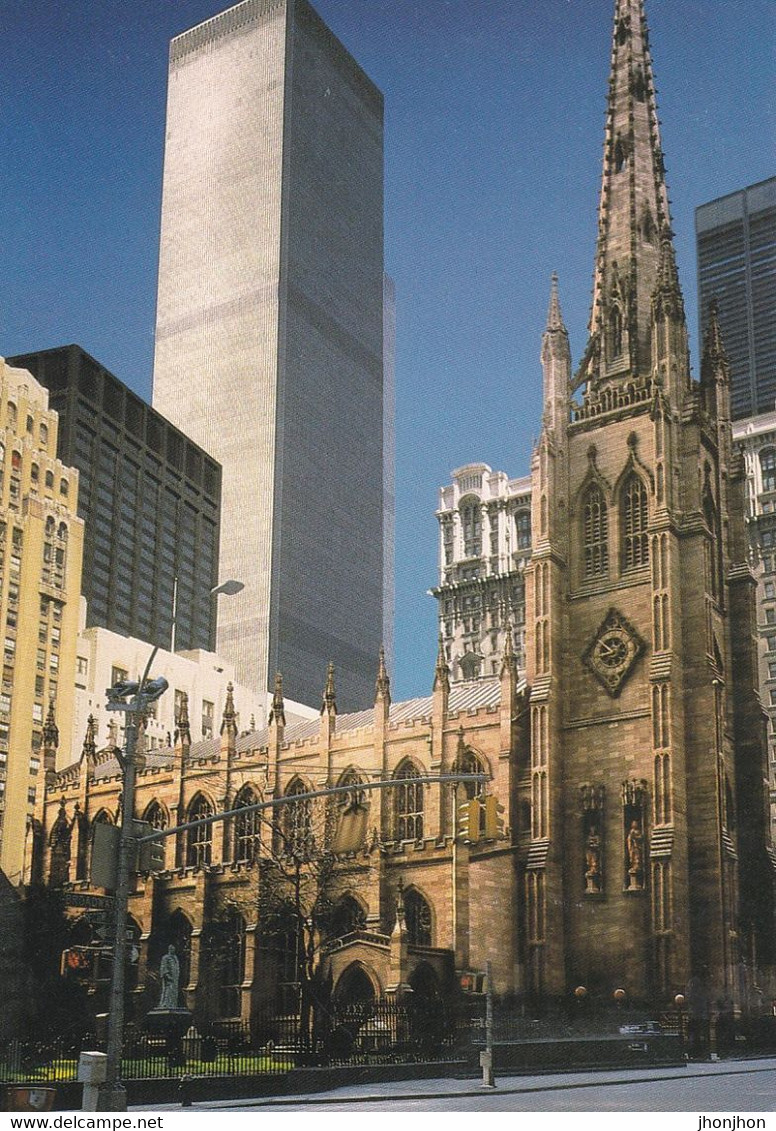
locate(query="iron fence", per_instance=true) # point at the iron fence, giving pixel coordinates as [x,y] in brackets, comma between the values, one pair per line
[378,1031]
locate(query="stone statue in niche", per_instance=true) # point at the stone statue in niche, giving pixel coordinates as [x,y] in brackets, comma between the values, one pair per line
[593,862]
[634,843]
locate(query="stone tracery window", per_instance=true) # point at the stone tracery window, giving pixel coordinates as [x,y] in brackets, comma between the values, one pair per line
[199,841]
[296,822]
[246,827]
[417,917]
[409,804]
[595,533]
[635,516]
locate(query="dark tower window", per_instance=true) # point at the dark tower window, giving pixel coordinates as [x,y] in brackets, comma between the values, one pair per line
[615,333]
[619,155]
[596,534]
[635,515]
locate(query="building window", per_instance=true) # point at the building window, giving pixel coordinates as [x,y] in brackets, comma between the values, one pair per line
[523,529]
[156,816]
[208,710]
[471,524]
[199,843]
[770,616]
[246,828]
[63,487]
[409,804]
[596,533]
[296,821]
[44,435]
[417,917]
[768,468]
[81,666]
[118,675]
[635,516]
[49,478]
[770,643]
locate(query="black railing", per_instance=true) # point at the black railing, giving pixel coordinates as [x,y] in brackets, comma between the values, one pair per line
[379,1031]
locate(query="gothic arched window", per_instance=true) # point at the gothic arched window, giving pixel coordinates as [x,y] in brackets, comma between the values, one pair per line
[471,525]
[409,804]
[595,533]
[246,827]
[468,763]
[156,816]
[296,827]
[768,468]
[347,916]
[635,515]
[199,842]
[417,917]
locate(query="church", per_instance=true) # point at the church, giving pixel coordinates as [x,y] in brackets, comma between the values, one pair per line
[622,735]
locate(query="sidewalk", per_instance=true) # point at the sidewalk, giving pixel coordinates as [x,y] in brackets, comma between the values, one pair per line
[506,1085]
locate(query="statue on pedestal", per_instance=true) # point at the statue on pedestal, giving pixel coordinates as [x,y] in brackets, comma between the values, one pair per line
[169,973]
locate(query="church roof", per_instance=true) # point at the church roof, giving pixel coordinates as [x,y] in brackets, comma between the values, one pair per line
[470,695]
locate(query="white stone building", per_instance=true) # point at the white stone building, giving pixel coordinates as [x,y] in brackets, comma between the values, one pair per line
[756,438]
[484,545]
[103,657]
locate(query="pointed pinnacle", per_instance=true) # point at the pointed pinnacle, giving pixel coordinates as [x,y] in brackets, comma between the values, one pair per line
[383,684]
[278,713]
[50,729]
[442,670]
[554,314]
[89,748]
[229,715]
[713,346]
[329,694]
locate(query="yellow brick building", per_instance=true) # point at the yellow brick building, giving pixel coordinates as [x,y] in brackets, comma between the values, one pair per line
[41,549]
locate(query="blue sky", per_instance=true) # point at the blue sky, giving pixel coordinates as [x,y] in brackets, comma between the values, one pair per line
[494,133]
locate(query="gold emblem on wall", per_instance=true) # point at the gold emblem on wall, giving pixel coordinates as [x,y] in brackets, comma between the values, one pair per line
[613,651]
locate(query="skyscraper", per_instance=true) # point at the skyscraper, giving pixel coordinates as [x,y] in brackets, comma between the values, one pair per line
[149,498]
[41,547]
[736,240]
[269,335]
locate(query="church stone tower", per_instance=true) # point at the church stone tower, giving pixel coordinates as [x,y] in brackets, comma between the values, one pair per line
[648,862]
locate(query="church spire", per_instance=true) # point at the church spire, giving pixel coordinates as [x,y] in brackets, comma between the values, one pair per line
[556,363]
[633,214]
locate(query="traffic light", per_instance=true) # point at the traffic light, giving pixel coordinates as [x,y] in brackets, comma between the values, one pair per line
[494,819]
[350,833]
[469,820]
[78,962]
[151,855]
[105,854]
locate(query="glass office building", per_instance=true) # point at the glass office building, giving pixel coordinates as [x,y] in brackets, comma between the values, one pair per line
[149,498]
[269,335]
[736,238]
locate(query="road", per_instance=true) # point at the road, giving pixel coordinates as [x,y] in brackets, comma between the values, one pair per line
[732,1087]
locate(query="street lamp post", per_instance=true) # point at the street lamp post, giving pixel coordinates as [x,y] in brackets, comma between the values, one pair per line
[134,699]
